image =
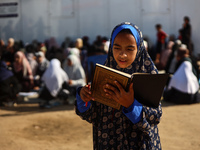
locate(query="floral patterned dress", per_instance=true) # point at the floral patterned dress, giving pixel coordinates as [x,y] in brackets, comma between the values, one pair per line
[112,130]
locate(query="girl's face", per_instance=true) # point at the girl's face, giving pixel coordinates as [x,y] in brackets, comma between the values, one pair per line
[124,49]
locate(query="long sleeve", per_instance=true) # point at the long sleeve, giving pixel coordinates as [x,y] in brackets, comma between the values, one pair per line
[134,112]
[84,112]
[81,105]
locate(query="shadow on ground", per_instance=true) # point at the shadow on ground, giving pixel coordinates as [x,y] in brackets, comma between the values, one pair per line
[31,106]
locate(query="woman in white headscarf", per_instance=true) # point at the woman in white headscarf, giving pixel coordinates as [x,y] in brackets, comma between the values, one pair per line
[183,86]
[33,63]
[43,64]
[54,78]
[75,71]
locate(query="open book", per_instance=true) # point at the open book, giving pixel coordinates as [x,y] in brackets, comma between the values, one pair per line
[148,88]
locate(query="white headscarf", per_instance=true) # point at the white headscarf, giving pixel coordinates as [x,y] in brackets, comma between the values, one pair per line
[42,66]
[33,63]
[75,72]
[184,80]
[75,51]
[54,77]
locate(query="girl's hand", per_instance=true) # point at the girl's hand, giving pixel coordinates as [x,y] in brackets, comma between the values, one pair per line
[85,93]
[124,98]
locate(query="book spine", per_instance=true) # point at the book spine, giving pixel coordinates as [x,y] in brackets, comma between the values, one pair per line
[128,84]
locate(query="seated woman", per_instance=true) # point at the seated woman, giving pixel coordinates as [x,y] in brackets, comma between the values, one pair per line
[9,85]
[183,86]
[54,80]
[23,72]
[75,72]
[43,64]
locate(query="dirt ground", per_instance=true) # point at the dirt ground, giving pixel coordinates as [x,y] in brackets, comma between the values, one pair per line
[27,127]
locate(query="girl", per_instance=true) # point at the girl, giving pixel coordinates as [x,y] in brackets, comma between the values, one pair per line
[135,126]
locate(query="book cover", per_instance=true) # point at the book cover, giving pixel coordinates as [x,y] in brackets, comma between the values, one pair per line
[148,88]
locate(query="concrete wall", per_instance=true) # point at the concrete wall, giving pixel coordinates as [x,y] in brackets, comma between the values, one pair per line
[42,19]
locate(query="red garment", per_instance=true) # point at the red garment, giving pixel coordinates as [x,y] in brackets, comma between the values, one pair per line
[161,35]
[180,37]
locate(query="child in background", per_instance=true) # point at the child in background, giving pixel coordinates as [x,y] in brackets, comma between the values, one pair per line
[186,33]
[135,126]
[161,42]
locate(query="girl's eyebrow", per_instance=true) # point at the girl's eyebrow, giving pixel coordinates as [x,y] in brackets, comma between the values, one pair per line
[116,45]
[131,46]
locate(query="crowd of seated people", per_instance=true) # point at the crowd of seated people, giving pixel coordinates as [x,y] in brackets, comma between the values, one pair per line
[29,67]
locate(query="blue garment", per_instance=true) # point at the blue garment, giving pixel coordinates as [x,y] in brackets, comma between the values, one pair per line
[130,128]
[81,105]
[92,60]
[4,72]
[134,112]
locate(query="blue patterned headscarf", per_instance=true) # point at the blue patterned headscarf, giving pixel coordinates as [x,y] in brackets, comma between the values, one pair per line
[142,63]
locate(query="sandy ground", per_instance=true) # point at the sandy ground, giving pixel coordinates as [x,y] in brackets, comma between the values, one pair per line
[27,127]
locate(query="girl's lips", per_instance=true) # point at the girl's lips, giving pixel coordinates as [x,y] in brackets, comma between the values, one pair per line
[122,61]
